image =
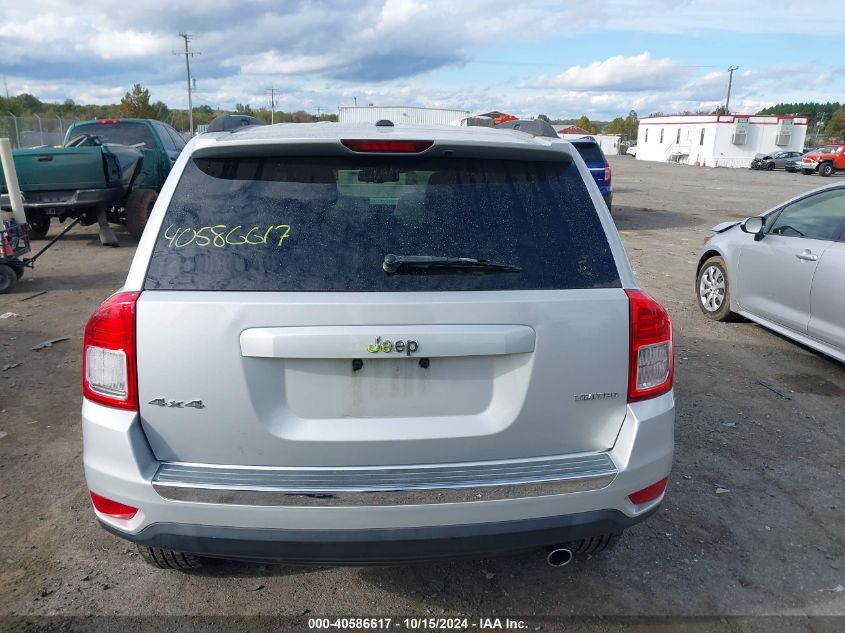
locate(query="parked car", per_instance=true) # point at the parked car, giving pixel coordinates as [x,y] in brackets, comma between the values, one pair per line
[75,180]
[774,160]
[827,161]
[116,166]
[587,147]
[783,269]
[631,150]
[426,342]
[593,155]
[793,165]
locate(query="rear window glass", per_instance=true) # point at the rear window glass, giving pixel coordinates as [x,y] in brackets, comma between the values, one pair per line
[590,152]
[327,223]
[118,133]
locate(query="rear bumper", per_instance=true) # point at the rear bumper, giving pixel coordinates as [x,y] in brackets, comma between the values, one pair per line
[120,465]
[65,202]
[381,546]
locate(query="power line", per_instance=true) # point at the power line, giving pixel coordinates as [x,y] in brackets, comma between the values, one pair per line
[191,85]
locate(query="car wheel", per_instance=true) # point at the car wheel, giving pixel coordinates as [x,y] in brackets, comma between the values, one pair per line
[138,208]
[713,291]
[18,267]
[8,279]
[169,559]
[770,166]
[826,169]
[38,226]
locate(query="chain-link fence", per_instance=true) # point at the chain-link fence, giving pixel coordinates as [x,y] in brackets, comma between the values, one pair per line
[33,131]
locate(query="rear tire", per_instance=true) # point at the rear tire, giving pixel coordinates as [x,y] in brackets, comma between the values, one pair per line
[39,226]
[18,267]
[713,291]
[138,208]
[169,559]
[8,279]
[826,169]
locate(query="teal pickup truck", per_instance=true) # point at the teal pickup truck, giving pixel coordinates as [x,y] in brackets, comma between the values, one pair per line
[108,170]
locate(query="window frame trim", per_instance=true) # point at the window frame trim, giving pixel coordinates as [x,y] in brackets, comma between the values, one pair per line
[839,235]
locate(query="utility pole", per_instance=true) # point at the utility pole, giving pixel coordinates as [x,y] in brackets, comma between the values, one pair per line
[272,92]
[819,127]
[6,85]
[188,54]
[730,83]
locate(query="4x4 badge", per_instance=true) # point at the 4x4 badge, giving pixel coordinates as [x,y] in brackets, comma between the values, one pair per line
[177,404]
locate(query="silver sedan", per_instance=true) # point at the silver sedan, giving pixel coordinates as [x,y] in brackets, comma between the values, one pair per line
[784,269]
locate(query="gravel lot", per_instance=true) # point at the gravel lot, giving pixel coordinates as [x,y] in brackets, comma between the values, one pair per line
[758,415]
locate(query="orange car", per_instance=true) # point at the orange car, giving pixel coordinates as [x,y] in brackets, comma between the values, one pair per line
[827,161]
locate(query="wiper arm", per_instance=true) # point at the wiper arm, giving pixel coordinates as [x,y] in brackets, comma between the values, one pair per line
[394,263]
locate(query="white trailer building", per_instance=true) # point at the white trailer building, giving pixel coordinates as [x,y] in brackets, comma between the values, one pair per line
[718,140]
[400,114]
[609,143]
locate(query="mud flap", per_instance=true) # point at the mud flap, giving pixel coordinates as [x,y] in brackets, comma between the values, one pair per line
[107,236]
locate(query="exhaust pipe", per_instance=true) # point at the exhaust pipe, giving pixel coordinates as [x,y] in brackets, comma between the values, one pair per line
[559,557]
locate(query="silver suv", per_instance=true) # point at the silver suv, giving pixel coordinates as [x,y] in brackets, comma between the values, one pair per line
[362,345]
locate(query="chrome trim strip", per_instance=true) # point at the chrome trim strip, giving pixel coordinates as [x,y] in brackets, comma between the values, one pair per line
[383,486]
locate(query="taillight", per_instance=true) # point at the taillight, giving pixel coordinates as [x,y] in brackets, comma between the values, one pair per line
[649,493]
[387,147]
[109,374]
[113,508]
[651,366]
[607,173]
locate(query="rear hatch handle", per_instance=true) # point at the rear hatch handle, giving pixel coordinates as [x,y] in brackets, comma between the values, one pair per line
[431,341]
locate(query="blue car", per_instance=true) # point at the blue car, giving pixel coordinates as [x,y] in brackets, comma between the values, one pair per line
[587,146]
[598,166]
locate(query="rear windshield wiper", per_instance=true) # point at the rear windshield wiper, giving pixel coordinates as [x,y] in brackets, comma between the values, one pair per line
[396,263]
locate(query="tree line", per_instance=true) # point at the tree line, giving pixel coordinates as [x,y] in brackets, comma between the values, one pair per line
[137,103]
[831,115]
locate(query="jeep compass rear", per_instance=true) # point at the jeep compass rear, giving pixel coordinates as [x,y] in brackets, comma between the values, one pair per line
[368,345]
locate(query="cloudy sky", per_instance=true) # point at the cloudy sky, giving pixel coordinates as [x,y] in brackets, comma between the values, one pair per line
[560,58]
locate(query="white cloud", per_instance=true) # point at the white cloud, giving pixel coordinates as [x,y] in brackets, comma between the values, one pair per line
[618,73]
[326,52]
